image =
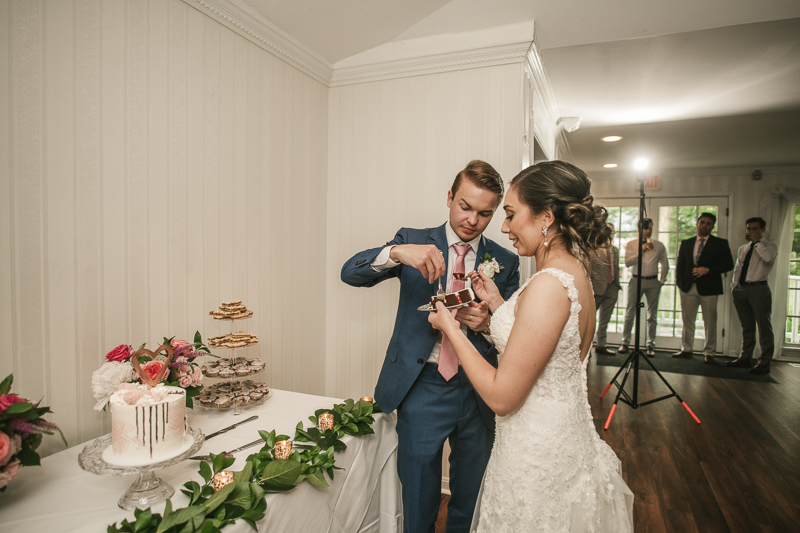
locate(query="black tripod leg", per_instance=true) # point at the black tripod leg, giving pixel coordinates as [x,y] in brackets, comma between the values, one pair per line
[664,380]
[620,390]
[622,367]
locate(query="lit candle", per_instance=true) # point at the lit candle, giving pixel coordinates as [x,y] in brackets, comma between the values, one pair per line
[325,421]
[367,399]
[283,449]
[221,479]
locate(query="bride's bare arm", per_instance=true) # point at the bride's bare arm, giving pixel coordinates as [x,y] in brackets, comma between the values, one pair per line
[541,314]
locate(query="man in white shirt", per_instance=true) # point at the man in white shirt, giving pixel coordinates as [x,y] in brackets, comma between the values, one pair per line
[752,297]
[654,253]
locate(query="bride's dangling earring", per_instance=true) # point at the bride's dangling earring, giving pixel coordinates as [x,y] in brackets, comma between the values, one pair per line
[544,232]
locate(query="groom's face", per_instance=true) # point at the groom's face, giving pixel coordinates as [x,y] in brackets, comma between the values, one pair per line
[471,209]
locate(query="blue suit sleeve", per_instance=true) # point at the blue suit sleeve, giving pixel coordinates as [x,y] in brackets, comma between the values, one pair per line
[356,271]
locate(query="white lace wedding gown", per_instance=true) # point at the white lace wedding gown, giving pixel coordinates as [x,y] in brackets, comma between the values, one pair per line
[549,470]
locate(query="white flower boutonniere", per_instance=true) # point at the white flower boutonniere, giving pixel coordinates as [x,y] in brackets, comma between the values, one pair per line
[490,266]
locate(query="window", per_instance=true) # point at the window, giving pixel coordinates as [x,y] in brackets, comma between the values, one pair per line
[793,297]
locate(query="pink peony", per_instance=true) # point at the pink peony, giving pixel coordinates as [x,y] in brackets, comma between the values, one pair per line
[9,472]
[9,399]
[121,353]
[152,368]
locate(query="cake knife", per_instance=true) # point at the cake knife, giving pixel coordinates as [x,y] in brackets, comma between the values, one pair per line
[223,430]
[240,448]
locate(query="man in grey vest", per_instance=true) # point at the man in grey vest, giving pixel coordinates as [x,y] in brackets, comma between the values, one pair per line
[752,297]
[605,281]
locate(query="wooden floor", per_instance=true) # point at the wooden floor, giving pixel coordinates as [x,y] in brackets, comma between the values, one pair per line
[738,471]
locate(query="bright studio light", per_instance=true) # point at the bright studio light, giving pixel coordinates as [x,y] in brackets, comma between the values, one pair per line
[641,163]
[610,165]
[611,139]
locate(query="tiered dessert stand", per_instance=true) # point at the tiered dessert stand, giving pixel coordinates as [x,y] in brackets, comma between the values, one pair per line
[233,392]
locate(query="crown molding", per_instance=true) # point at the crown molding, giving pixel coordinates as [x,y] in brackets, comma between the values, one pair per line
[499,45]
[247,22]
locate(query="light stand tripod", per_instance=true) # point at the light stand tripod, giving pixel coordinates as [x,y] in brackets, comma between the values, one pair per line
[632,362]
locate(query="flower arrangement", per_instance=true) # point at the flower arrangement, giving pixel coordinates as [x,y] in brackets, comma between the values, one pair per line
[21,430]
[490,266]
[183,372]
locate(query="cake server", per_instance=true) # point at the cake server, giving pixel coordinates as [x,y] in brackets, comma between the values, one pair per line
[240,448]
[223,430]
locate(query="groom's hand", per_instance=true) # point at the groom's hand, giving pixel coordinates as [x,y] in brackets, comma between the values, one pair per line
[425,258]
[475,316]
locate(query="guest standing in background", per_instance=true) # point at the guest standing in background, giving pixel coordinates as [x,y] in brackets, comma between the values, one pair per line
[701,262]
[653,254]
[421,377]
[752,297]
[605,282]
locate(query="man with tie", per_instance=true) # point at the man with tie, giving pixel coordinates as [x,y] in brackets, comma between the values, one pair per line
[605,282]
[654,253]
[421,376]
[752,297]
[698,274]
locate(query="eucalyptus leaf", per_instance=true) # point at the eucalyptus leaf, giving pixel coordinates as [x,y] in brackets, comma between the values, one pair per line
[19,407]
[143,520]
[5,386]
[281,472]
[245,474]
[205,471]
[218,497]
[317,479]
[180,516]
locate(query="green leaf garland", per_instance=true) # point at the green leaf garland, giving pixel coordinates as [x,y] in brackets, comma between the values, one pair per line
[245,498]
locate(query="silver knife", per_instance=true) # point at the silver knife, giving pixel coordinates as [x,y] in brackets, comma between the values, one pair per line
[223,430]
[240,448]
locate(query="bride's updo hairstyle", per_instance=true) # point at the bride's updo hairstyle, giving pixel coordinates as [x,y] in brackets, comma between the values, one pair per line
[565,189]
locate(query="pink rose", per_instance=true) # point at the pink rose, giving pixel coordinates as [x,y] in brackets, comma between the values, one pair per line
[180,360]
[152,368]
[9,472]
[9,399]
[121,353]
[132,396]
[197,377]
[178,344]
[185,381]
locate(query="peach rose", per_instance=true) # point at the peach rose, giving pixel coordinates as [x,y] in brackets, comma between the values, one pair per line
[152,368]
[5,447]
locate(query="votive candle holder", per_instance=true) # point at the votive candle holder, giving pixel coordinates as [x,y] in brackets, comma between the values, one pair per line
[283,449]
[325,421]
[221,479]
[367,399]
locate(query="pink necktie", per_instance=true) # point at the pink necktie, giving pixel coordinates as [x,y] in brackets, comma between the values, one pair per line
[448,360]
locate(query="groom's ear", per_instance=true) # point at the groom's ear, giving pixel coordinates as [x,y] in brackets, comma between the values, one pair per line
[449,198]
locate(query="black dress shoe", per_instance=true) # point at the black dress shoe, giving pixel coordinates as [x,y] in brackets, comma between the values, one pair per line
[683,355]
[760,369]
[651,352]
[623,348]
[708,359]
[740,363]
[603,350]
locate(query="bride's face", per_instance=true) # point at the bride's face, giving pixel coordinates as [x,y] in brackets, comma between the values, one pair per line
[524,229]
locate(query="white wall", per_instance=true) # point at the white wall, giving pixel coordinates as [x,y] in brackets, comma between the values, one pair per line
[745,195]
[395,148]
[153,163]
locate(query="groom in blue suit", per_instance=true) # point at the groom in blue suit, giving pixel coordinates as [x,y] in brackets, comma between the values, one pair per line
[432,404]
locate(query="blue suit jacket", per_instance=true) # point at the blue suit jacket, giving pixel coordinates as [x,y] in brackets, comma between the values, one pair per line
[413,337]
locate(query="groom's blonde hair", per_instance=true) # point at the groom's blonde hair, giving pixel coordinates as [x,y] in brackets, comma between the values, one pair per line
[482,175]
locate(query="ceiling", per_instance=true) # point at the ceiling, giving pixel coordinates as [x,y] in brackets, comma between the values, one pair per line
[686,83]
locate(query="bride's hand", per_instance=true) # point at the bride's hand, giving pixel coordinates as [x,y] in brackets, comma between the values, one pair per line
[443,318]
[486,290]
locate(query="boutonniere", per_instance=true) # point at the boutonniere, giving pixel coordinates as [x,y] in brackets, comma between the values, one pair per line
[490,266]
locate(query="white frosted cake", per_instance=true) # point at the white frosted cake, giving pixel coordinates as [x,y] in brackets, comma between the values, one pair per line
[148,424]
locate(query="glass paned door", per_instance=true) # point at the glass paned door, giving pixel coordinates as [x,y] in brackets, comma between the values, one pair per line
[674,220]
[793,296]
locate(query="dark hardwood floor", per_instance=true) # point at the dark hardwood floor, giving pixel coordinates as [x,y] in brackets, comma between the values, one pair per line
[737,471]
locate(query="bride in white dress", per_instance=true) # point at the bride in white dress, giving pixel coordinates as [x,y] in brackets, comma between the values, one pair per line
[549,470]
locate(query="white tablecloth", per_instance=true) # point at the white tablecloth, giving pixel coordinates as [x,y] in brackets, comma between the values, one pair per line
[364,497]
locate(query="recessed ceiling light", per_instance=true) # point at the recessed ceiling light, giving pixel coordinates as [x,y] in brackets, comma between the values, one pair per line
[612,139]
[610,165]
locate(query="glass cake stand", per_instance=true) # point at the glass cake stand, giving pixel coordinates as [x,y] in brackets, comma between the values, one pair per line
[147,490]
